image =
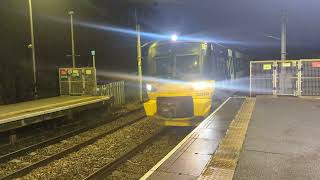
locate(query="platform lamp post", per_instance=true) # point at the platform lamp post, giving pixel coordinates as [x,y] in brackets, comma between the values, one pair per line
[72,39]
[32,47]
[284,21]
[173,38]
[139,59]
[93,54]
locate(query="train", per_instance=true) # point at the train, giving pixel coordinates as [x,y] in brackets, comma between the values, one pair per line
[183,78]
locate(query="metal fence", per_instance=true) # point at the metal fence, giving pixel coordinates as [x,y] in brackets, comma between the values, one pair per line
[289,77]
[115,89]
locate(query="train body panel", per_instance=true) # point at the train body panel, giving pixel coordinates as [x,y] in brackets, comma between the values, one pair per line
[184,76]
[179,104]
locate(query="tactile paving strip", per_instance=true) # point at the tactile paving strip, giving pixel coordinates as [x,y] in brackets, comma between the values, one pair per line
[223,164]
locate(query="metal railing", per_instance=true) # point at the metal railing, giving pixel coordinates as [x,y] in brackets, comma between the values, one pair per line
[289,77]
[115,89]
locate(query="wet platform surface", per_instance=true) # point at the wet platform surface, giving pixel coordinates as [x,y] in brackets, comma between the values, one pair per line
[282,140]
[14,113]
[190,157]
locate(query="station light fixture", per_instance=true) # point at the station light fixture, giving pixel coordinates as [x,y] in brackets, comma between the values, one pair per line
[174,37]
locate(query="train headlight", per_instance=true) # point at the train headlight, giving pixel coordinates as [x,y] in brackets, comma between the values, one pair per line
[150,88]
[202,85]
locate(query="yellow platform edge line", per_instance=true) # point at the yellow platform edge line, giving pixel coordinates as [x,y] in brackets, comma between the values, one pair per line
[223,164]
[155,167]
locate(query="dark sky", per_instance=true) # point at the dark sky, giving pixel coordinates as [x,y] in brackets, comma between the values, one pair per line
[244,22]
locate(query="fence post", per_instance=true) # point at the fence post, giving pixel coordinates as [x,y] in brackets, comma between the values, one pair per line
[299,78]
[114,89]
[250,78]
[274,77]
[123,93]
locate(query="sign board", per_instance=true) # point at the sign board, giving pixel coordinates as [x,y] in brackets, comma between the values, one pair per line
[78,81]
[88,72]
[286,64]
[63,73]
[75,73]
[267,66]
[316,64]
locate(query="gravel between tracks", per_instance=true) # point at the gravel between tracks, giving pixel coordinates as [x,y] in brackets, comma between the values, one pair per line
[80,164]
[40,154]
[138,165]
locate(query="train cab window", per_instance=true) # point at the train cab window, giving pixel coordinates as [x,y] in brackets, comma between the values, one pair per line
[164,67]
[187,66]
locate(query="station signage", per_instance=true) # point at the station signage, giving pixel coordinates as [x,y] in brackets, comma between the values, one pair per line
[316,64]
[286,64]
[63,73]
[267,67]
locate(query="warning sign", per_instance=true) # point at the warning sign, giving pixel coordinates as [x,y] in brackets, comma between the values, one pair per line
[316,64]
[75,73]
[88,72]
[267,66]
[63,72]
[286,64]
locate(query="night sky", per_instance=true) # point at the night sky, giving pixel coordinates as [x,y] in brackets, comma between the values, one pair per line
[244,23]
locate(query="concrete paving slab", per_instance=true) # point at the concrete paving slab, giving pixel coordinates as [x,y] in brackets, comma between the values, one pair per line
[282,140]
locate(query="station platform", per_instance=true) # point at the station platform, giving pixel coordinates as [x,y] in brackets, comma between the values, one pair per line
[282,140]
[247,139]
[14,116]
[190,157]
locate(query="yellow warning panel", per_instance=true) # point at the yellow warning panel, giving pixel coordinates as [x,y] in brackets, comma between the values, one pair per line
[286,64]
[224,161]
[267,67]
[75,72]
[88,72]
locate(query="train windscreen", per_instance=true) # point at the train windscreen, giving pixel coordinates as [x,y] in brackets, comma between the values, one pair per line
[164,67]
[184,67]
[187,67]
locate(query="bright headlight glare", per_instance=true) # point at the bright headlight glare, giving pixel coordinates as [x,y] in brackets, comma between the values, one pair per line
[149,87]
[201,85]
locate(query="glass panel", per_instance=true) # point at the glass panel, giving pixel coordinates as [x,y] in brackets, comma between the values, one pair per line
[164,67]
[187,67]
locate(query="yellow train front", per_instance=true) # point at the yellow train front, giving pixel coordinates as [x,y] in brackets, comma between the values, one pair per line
[181,80]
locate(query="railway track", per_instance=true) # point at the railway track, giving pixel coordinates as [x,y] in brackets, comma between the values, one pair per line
[59,138]
[38,135]
[31,163]
[110,167]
